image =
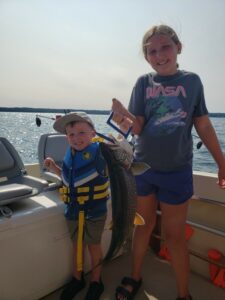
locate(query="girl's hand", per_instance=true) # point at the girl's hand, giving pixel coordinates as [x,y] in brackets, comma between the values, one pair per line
[125,119]
[120,115]
[117,107]
[117,117]
[221,176]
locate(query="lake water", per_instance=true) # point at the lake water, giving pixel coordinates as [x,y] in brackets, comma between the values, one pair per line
[21,130]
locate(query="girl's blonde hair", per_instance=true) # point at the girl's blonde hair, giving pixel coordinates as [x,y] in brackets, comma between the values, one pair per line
[156,30]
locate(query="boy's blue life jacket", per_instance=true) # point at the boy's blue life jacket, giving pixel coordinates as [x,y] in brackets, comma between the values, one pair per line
[85,175]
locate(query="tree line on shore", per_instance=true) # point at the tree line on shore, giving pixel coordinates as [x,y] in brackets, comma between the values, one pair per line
[59,110]
[51,110]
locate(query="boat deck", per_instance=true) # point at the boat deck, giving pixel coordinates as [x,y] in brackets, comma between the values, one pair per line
[158,282]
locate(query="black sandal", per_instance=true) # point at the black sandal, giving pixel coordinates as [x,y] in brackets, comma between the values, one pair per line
[128,295]
[95,290]
[72,288]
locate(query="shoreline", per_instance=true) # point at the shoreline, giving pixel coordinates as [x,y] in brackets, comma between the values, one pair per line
[52,110]
[60,110]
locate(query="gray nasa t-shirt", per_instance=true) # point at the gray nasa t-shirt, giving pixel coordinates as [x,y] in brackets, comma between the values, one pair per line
[168,104]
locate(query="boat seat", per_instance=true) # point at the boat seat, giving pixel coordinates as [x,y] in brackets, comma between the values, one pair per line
[52,145]
[15,183]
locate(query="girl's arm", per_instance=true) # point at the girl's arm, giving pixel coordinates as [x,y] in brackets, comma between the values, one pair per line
[207,134]
[125,119]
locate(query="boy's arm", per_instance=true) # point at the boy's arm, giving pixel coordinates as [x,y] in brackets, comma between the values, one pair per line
[207,134]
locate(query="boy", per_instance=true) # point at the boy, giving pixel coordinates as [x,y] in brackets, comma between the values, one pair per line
[85,176]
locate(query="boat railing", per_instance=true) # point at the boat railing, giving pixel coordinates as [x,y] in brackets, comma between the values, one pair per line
[219,231]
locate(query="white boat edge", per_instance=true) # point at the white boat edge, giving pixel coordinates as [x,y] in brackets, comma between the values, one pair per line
[36,249]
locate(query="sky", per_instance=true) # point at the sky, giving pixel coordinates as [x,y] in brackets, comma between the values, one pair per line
[79,54]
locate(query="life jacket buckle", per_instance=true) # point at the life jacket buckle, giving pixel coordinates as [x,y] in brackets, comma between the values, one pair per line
[64,194]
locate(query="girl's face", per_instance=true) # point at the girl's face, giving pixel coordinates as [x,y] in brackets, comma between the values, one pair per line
[161,54]
[79,135]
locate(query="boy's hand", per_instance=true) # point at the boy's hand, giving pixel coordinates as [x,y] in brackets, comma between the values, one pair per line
[49,163]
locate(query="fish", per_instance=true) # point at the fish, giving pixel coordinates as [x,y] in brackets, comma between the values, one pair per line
[138,168]
[123,197]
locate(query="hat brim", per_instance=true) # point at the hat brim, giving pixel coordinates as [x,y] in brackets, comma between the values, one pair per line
[61,123]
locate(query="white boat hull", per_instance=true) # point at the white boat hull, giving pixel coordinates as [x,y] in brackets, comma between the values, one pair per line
[36,249]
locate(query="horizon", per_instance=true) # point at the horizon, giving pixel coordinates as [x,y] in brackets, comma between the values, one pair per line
[90,111]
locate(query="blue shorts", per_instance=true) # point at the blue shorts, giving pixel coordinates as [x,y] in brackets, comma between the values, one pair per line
[173,187]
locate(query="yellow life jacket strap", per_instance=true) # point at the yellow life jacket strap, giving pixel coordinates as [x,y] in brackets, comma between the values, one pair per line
[81,220]
[82,199]
[84,189]
[97,188]
[104,186]
[64,194]
[80,241]
[97,139]
[101,195]
[96,195]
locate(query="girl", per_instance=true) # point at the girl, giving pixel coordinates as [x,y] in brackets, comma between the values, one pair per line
[164,106]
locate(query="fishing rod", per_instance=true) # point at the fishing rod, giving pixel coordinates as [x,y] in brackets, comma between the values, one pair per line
[38,119]
[38,123]
[110,123]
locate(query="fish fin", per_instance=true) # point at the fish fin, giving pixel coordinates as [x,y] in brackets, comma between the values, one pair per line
[109,226]
[138,219]
[138,168]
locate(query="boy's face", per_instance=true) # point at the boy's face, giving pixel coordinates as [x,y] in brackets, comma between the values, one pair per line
[79,135]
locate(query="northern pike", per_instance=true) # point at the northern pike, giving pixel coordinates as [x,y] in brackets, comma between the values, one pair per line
[123,196]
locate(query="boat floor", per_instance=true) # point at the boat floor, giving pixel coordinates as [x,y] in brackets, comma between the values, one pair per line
[158,282]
